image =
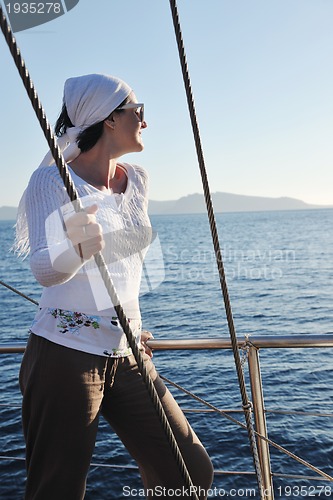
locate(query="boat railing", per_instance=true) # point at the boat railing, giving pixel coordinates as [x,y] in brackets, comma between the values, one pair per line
[252,345]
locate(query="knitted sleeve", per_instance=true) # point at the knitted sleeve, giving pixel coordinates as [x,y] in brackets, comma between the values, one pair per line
[53,259]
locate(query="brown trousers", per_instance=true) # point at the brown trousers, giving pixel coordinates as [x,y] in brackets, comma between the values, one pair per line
[65,391]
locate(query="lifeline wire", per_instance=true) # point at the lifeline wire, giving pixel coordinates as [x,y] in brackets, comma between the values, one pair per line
[260,436]
[18,292]
[218,253]
[73,195]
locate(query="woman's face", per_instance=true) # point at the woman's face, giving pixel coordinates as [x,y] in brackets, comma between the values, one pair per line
[128,128]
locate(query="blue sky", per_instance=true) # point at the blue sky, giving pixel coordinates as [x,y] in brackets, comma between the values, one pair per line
[262,79]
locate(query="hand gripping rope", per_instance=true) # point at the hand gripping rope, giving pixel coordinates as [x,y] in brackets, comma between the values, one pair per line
[73,195]
[246,403]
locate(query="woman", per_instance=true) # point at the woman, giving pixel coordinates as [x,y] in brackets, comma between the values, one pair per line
[78,364]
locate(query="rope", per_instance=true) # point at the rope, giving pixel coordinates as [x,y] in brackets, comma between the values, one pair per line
[197,410]
[260,436]
[73,195]
[18,292]
[278,412]
[217,472]
[218,253]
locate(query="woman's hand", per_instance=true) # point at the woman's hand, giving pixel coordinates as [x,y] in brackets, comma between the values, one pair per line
[85,233]
[145,335]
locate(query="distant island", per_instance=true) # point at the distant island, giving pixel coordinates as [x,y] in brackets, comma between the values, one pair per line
[227,202]
[222,202]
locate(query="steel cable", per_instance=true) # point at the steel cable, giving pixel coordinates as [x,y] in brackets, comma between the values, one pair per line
[260,436]
[218,253]
[12,289]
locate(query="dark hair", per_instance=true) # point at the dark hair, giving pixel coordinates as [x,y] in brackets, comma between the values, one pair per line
[63,122]
[88,137]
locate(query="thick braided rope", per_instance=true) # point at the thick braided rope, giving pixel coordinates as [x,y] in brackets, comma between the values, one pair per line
[73,195]
[190,101]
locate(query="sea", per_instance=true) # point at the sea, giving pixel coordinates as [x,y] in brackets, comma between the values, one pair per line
[279,272]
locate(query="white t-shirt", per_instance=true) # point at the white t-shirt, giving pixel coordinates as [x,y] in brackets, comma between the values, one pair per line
[75,308]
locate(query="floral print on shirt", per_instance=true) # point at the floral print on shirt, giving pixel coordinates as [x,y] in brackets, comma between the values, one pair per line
[71,322]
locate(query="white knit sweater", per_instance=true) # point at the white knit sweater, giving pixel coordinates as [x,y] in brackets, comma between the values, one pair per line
[75,308]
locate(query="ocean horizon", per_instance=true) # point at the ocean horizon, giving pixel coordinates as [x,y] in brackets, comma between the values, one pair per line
[222,202]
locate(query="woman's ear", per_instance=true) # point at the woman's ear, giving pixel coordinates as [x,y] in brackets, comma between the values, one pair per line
[110,122]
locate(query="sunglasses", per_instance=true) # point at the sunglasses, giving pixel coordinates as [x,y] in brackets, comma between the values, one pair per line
[138,106]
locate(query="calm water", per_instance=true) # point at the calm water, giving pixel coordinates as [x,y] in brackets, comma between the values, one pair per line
[279,268]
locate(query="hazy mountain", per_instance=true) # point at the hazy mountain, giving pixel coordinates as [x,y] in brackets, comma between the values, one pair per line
[227,202]
[222,202]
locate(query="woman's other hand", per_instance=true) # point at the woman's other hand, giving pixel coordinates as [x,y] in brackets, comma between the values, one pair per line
[145,335]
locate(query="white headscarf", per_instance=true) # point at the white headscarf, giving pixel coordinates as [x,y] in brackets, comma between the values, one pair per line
[89,99]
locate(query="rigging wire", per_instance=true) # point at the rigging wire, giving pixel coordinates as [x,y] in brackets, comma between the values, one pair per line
[217,472]
[260,436]
[73,195]
[18,292]
[246,403]
[221,410]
